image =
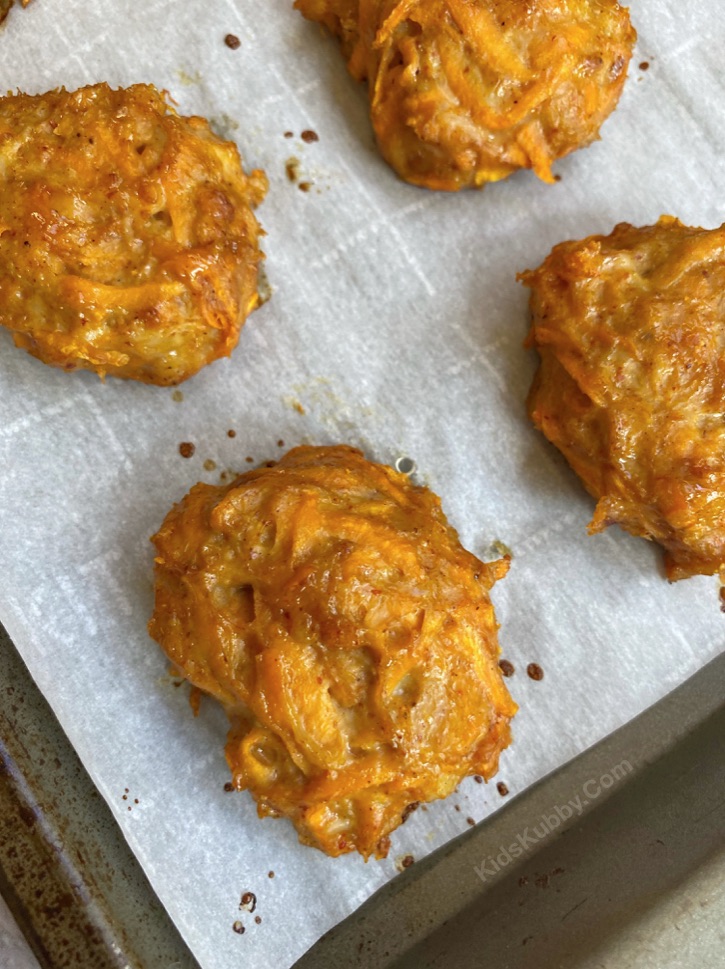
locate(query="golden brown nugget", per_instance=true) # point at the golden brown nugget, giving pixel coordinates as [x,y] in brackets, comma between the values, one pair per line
[630,328]
[329,606]
[128,244]
[465,92]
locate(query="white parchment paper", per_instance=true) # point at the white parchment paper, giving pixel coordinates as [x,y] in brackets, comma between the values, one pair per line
[395,324]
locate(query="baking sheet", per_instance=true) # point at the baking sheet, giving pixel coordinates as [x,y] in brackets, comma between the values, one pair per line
[15,950]
[395,324]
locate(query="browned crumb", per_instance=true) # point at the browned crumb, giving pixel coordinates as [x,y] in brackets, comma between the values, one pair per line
[535,671]
[231,432]
[248,901]
[309,136]
[232,41]
[413,806]
[186,449]
[506,667]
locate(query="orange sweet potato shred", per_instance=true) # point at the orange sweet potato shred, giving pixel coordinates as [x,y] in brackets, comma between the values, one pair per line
[630,329]
[329,606]
[465,92]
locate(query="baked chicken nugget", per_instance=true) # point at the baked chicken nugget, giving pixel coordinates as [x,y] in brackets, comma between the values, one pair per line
[630,328]
[128,245]
[465,92]
[329,606]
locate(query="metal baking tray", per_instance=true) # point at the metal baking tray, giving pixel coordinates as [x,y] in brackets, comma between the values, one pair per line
[637,879]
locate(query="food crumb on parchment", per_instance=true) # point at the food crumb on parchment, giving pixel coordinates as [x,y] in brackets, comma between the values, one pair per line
[186,449]
[232,42]
[248,901]
[506,667]
[501,549]
[535,671]
[292,168]
[126,796]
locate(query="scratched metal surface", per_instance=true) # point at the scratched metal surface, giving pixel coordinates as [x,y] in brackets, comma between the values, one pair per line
[66,872]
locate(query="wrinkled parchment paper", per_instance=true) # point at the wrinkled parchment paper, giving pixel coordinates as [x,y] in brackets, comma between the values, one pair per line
[395,324]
